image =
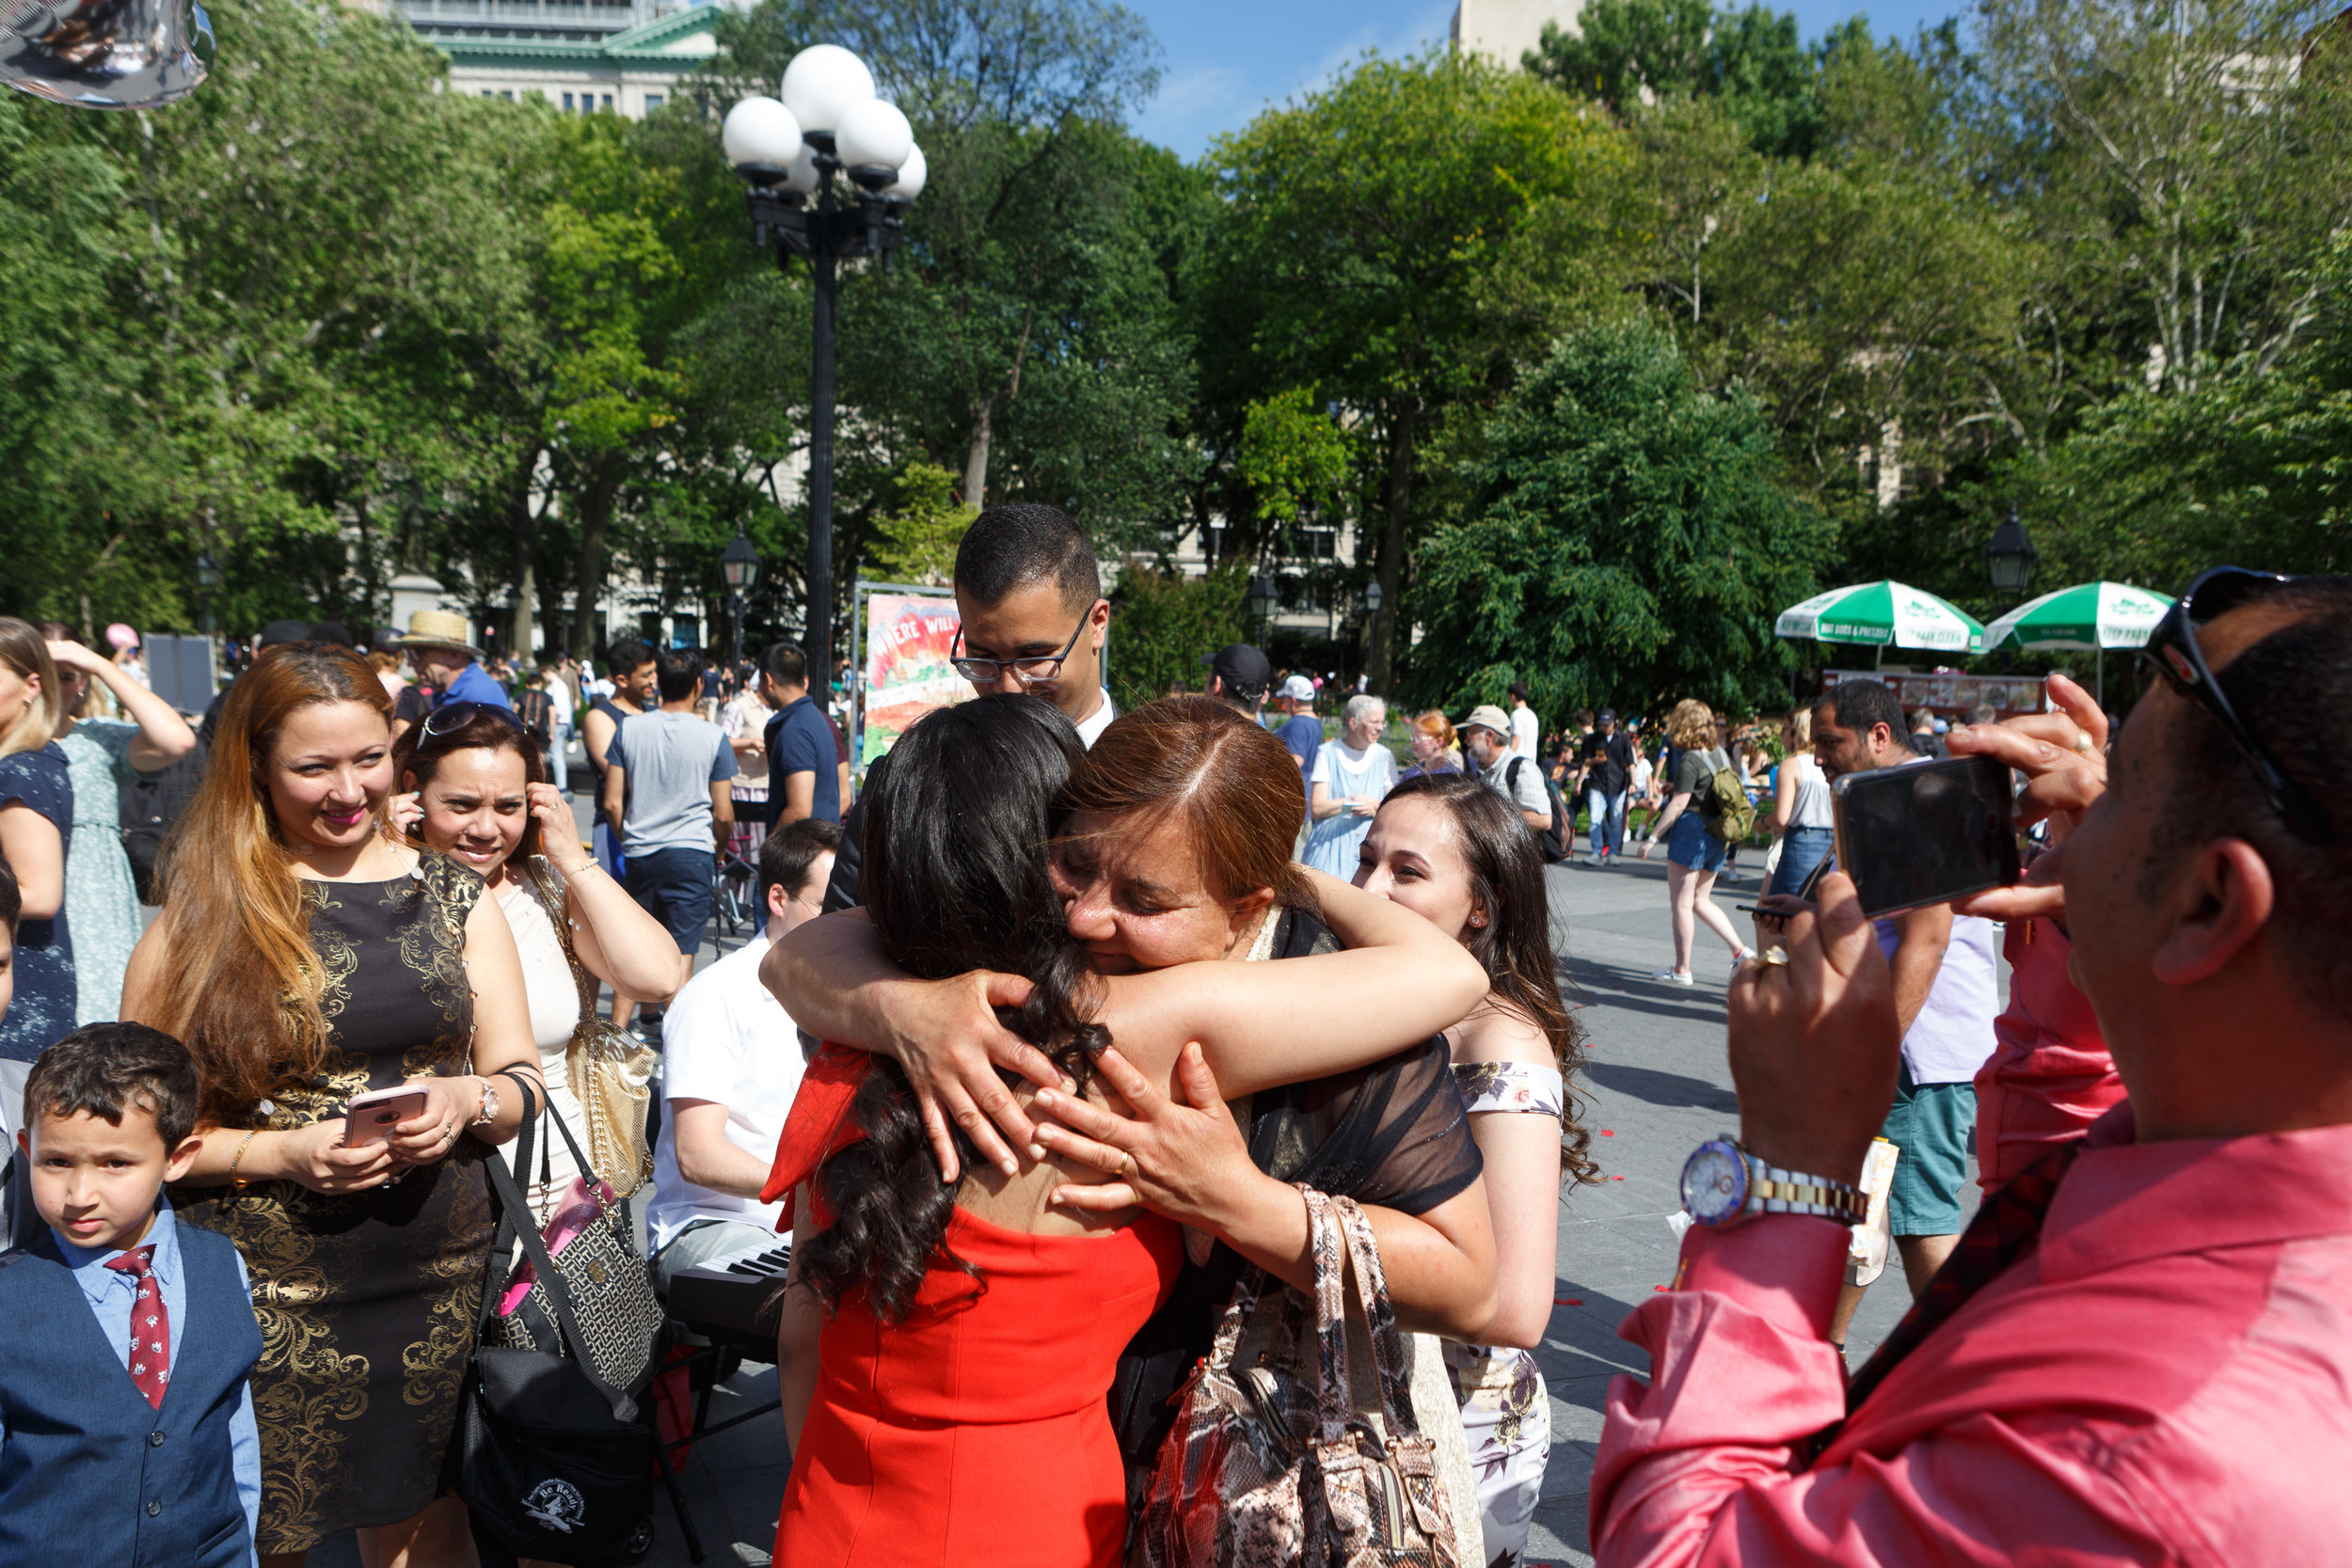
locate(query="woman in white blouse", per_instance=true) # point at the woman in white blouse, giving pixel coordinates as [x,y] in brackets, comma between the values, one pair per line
[476,789]
[1454,852]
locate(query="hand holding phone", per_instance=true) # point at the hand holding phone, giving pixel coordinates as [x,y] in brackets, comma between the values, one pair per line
[369,1119]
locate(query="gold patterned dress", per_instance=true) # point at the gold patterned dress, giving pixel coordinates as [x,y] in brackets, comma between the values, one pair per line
[367,1302]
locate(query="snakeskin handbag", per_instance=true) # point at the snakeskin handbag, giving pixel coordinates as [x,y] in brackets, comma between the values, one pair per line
[610,1069]
[1268,1466]
[606,1279]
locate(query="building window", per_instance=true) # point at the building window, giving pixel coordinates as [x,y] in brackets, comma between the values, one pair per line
[608,103]
[653,101]
[567,103]
[488,93]
[509,97]
[1323,544]
[1213,544]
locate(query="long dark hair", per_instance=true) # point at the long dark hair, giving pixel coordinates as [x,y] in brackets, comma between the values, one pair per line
[1506,872]
[955,879]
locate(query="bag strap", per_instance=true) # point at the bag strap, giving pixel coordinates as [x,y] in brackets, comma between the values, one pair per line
[559,1294]
[1388,1346]
[1333,1401]
[502,1240]
[1237,1312]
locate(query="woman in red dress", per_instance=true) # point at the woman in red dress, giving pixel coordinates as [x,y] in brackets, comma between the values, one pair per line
[974,1327]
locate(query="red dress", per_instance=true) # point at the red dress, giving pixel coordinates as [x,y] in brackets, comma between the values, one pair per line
[977,1432]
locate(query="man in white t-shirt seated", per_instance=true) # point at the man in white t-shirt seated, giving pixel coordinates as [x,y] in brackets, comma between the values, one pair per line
[731,1065]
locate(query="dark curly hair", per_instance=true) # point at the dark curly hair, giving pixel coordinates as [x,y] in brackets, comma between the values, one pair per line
[955,879]
[1506,870]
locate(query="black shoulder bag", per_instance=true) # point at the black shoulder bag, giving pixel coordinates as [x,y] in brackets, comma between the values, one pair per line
[552,1459]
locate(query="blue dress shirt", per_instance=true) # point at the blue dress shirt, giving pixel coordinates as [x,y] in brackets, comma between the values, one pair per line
[111,1293]
[473,685]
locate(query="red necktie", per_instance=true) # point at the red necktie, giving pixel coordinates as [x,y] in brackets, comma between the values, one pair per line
[151,1325]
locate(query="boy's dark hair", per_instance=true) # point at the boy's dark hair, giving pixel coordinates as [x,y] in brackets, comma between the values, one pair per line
[676,673]
[627,657]
[786,855]
[1519,689]
[787,664]
[1009,547]
[11,898]
[104,1069]
[1861,706]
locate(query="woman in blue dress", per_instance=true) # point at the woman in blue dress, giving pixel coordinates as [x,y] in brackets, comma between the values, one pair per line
[35,824]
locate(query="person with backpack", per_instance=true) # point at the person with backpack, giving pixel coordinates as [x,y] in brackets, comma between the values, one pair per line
[1486,743]
[1709,810]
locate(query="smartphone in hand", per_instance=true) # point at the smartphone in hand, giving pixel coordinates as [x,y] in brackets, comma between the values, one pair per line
[368,1119]
[1926,834]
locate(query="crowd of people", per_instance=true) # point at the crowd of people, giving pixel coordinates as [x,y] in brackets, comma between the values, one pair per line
[1052,1118]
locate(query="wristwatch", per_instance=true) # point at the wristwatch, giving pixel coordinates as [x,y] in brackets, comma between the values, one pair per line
[1724,1186]
[489,1112]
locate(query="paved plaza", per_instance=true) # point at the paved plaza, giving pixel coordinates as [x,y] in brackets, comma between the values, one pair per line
[1657,1086]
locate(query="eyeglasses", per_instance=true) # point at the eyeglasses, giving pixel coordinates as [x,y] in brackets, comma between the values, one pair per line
[1032,672]
[2172,654]
[449,718]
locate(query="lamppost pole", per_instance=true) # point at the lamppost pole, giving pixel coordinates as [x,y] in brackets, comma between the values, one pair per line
[738,564]
[828,123]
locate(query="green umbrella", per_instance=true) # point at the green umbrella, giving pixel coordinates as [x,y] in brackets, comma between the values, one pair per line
[1881,613]
[2095,615]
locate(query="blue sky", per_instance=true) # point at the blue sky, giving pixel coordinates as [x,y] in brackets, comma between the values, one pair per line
[1226,59]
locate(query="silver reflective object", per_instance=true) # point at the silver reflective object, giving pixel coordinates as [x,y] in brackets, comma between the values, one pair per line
[106,53]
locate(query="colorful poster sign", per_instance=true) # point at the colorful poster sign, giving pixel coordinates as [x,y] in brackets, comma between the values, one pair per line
[906,673]
[1954,696]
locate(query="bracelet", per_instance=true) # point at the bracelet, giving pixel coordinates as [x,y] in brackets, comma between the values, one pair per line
[236,1182]
[489,1111]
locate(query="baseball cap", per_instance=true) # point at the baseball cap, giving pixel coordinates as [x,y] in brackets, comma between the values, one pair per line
[1606,716]
[1486,716]
[1241,667]
[1298,689]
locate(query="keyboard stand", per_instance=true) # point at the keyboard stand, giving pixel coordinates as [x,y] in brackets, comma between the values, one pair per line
[702,1366]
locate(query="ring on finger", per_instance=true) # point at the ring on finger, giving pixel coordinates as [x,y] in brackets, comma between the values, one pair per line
[1128,1170]
[1775,956]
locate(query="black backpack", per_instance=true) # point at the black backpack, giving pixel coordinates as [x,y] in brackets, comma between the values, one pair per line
[535,709]
[151,803]
[1554,841]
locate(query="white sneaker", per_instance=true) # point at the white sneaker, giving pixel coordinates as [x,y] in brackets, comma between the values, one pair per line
[1674,977]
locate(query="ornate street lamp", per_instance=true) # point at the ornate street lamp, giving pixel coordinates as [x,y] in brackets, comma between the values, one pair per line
[2010,557]
[829,124]
[1372,597]
[1264,594]
[738,564]
[207,579]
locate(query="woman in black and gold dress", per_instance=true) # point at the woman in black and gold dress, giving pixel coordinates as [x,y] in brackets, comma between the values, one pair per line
[305,958]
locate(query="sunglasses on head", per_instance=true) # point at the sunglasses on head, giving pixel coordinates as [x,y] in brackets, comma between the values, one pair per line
[449,718]
[2174,656]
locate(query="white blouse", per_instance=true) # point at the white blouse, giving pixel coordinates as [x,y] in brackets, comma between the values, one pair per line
[554,1016]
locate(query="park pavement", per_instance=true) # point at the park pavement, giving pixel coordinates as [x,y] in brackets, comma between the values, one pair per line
[1656,1085]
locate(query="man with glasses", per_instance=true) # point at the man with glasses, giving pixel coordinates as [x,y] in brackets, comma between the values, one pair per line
[730,1067]
[1034,621]
[2140,1351]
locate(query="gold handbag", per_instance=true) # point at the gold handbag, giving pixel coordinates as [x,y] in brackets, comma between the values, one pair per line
[610,1069]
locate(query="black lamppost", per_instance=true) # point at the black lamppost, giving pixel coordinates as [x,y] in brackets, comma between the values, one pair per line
[2010,557]
[207,579]
[1264,594]
[828,123]
[738,564]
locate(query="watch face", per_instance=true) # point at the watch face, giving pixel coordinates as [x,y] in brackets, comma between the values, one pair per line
[1714,1183]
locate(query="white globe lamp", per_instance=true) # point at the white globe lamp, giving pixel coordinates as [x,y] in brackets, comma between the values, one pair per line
[822,84]
[804,177]
[911,173]
[874,136]
[761,139]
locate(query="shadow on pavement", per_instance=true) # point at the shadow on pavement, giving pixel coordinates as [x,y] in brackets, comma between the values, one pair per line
[1662,1088]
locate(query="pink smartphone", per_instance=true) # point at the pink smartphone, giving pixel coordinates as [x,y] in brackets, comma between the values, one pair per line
[368,1119]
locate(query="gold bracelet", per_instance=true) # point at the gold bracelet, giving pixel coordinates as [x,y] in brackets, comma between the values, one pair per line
[236,1182]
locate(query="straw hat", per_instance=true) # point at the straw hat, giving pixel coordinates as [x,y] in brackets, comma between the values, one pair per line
[439,628]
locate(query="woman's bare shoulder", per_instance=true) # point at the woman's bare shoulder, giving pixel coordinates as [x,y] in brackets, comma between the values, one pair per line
[1495,1032]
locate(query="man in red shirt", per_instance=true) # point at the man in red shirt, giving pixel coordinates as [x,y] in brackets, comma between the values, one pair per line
[2141,1351]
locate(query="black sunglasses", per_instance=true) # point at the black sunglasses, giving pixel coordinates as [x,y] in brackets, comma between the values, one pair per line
[2174,656]
[449,718]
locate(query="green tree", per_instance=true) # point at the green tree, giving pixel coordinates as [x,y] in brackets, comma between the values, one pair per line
[1361,230]
[916,543]
[1166,623]
[1628,541]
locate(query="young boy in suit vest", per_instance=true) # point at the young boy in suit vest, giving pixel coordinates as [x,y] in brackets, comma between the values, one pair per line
[127,1434]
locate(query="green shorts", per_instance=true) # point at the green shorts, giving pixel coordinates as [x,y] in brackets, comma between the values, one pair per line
[1932,1124]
